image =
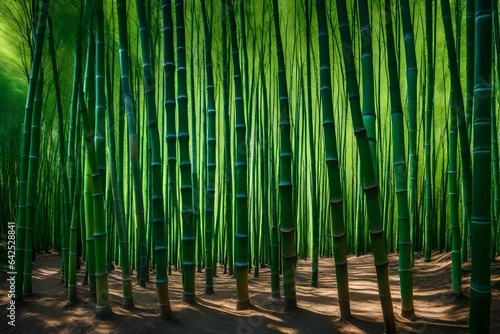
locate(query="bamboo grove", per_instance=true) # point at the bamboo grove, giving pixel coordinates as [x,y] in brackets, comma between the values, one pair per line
[231,135]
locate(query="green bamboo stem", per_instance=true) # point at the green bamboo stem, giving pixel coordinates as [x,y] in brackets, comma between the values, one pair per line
[411,84]
[245,80]
[494,141]
[75,168]
[287,219]
[96,210]
[469,101]
[456,116]
[88,214]
[269,175]
[211,151]
[401,178]
[132,140]
[33,168]
[241,232]
[370,183]
[458,109]
[494,163]
[188,218]
[169,105]
[117,193]
[469,77]
[228,183]
[97,157]
[368,108]
[197,171]
[480,298]
[100,98]
[456,276]
[332,162]
[428,119]
[73,234]
[25,150]
[312,149]
[156,172]
[62,161]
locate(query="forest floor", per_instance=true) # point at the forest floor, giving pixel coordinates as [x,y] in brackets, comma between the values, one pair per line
[437,311]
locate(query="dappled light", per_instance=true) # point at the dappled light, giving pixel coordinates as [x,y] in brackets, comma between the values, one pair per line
[436,310]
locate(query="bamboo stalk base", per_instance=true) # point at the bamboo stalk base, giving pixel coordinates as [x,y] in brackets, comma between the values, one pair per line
[209,290]
[128,303]
[290,304]
[165,311]
[104,312]
[345,309]
[189,298]
[72,297]
[243,304]
[408,314]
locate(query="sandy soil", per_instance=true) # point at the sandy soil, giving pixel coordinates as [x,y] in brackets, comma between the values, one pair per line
[437,311]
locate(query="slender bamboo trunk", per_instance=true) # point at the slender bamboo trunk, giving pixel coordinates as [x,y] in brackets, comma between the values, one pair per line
[401,177]
[269,173]
[411,84]
[494,141]
[480,299]
[62,161]
[312,148]
[287,218]
[428,117]
[241,232]
[458,109]
[117,193]
[211,151]
[198,135]
[332,162]
[470,56]
[73,234]
[368,109]
[21,231]
[494,163]
[157,195]
[33,168]
[100,98]
[456,275]
[132,140]
[75,168]
[227,146]
[467,122]
[169,105]
[98,230]
[245,82]
[370,183]
[188,218]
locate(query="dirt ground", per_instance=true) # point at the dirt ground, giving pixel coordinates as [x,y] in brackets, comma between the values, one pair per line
[437,311]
